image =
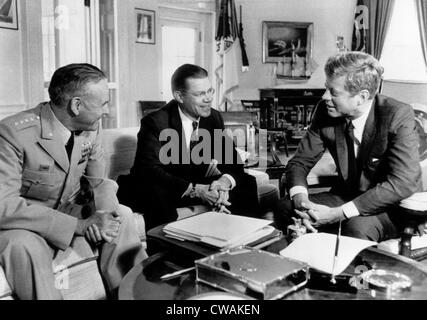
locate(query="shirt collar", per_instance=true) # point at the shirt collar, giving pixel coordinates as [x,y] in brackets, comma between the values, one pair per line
[360,122]
[64,133]
[184,117]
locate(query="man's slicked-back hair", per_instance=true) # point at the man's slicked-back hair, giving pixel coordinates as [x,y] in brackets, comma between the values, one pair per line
[185,72]
[362,71]
[70,81]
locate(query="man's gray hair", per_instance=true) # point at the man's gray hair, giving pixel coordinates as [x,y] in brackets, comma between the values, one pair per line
[70,81]
[362,71]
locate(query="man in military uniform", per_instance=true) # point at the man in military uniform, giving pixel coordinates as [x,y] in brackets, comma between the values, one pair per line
[48,154]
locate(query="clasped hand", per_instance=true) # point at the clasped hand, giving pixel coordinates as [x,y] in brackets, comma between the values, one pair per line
[315,215]
[216,195]
[102,226]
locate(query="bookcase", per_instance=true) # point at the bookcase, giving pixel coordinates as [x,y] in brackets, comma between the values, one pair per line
[288,110]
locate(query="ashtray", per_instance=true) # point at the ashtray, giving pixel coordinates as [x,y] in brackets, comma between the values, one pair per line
[220,296]
[388,281]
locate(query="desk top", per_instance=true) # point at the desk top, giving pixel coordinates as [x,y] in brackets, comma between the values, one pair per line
[143,281]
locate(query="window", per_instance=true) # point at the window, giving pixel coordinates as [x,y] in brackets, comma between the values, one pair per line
[402,55]
[78,31]
[179,46]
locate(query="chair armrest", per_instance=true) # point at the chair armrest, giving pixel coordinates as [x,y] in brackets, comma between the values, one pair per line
[417,203]
[260,176]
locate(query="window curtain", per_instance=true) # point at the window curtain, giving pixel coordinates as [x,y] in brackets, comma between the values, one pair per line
[372,20]
[422,21]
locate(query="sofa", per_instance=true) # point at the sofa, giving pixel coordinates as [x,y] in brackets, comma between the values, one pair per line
[76,270]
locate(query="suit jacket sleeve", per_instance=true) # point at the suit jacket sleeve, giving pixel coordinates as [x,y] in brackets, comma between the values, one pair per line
[148,167]
[402,158]
[104,189]
[310,150]
[15,213]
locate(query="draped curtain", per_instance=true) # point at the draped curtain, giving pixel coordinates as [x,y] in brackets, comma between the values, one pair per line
[372,20]
[422,21]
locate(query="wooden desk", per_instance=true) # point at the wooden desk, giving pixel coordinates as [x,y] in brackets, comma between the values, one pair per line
[143,281]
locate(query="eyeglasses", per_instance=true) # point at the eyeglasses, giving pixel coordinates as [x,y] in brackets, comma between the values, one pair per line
[202,94]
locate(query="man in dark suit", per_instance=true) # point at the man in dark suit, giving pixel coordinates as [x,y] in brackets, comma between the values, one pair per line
[373,142]
[184,158]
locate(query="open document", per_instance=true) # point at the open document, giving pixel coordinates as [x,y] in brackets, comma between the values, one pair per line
[318,251]
[219,229]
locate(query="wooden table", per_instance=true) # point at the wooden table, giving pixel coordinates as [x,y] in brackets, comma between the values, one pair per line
[143,281]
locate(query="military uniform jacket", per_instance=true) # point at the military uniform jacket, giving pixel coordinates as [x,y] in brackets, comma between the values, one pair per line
[39,184]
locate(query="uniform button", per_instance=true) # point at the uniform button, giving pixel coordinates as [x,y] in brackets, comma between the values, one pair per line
[26,120]
[51,134]
[22,122]
[16,123]
[38,118]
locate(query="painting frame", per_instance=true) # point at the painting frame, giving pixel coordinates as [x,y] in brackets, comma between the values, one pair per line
[274,32]
[145,26]
[9,14]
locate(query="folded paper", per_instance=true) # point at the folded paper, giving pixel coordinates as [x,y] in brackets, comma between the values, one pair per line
[318,251]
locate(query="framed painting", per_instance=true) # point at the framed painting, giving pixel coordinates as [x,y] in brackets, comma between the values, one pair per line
[9,14]
[286,39]
[146,26]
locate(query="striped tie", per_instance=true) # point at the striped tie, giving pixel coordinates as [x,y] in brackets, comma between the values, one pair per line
[353,175]
[194,135]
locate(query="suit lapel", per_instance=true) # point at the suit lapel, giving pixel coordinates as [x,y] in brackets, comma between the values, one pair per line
[176,124]
[368,136]
[50,139]
[342,153]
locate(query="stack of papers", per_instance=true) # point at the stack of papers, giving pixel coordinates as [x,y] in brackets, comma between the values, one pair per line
[393,245]
[318,251]
[220,230]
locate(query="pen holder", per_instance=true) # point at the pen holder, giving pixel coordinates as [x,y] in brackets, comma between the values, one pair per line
[322,281]
[295,230]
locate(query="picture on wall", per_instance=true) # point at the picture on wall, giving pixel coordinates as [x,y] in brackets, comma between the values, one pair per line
[145,21]
[289,44]
[9,14]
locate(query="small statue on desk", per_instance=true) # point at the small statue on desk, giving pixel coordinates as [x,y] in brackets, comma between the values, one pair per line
[296,230]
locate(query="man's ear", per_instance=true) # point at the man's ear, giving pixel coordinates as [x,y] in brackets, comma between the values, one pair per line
[364,96]
[178,96]
[75,105]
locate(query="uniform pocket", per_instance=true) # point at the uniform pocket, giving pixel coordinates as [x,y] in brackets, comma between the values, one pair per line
[37,184]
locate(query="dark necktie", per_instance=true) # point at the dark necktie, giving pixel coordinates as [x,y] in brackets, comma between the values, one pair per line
[70,144]
[194,135]
[353,176]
